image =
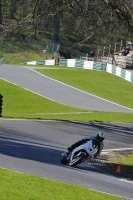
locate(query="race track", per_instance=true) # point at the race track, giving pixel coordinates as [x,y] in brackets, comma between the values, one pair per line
[35,147]
[57,91]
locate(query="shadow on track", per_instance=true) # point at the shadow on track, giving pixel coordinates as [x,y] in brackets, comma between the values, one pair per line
[30,151]
[25,146]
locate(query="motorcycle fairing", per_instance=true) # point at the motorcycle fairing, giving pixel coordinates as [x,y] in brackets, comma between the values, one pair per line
[88,147]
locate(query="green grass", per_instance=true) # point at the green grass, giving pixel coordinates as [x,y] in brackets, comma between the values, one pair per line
[99,83]
[124,160]
[20,57]
[17,52]
[35,188]
[20,103]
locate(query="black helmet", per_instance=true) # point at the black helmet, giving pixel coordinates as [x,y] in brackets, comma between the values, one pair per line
[100,136]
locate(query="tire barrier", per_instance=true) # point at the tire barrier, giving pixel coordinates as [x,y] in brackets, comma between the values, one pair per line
[1,103]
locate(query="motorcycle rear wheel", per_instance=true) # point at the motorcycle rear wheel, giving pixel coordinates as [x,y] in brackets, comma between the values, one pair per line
[77,159]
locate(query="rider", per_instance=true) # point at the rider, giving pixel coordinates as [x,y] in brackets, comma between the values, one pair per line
[97,141]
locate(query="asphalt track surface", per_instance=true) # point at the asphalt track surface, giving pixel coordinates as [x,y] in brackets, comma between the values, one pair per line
[35,147]
[57,91]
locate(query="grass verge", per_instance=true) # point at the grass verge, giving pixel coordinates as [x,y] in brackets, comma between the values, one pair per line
[116,163]
[31,187]
[123,159]
[99,83]
[20,103]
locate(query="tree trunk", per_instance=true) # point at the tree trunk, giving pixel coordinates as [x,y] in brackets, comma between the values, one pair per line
[0,11]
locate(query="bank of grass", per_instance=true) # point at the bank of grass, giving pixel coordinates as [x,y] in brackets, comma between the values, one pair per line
[123,159]
[20,103]
[16,52]
[32,187]
[100,83]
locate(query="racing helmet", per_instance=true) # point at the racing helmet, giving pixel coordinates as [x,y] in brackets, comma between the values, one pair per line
[100,136]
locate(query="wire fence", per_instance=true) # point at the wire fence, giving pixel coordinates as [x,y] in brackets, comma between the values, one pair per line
[111,49]
[112,55]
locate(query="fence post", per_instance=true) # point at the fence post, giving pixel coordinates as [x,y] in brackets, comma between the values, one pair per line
[115,48]
[103,53]
[121,45]
[97,54]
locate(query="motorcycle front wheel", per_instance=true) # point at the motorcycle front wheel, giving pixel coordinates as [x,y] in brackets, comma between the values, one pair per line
[64,159]
[77,158]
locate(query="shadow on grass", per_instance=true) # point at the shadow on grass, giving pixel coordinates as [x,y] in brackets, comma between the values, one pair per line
[121,171]
[126,172]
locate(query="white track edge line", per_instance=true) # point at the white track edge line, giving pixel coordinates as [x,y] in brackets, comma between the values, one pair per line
[82,90]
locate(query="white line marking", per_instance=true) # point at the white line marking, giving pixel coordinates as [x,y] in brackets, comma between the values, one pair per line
[121,149]
[68,86]
[82,90]
[33,92]
[72,113]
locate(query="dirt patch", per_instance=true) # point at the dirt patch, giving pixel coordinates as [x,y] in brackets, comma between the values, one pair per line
[105,164]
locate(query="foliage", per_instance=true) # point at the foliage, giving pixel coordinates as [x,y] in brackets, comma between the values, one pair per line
[100,21]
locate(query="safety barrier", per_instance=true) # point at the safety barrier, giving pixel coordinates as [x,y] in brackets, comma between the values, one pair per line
[87,64]
[84,64]
[41,62]
[2,60]
[127,75]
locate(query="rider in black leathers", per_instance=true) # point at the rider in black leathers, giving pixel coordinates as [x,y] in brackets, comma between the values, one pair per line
[97,141]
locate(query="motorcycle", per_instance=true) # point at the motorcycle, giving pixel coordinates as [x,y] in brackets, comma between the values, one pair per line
[80,154]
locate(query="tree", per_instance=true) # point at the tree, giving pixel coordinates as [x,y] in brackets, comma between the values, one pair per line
[84,19]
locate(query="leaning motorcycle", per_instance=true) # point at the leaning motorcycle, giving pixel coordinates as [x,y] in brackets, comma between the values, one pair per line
[80,154]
